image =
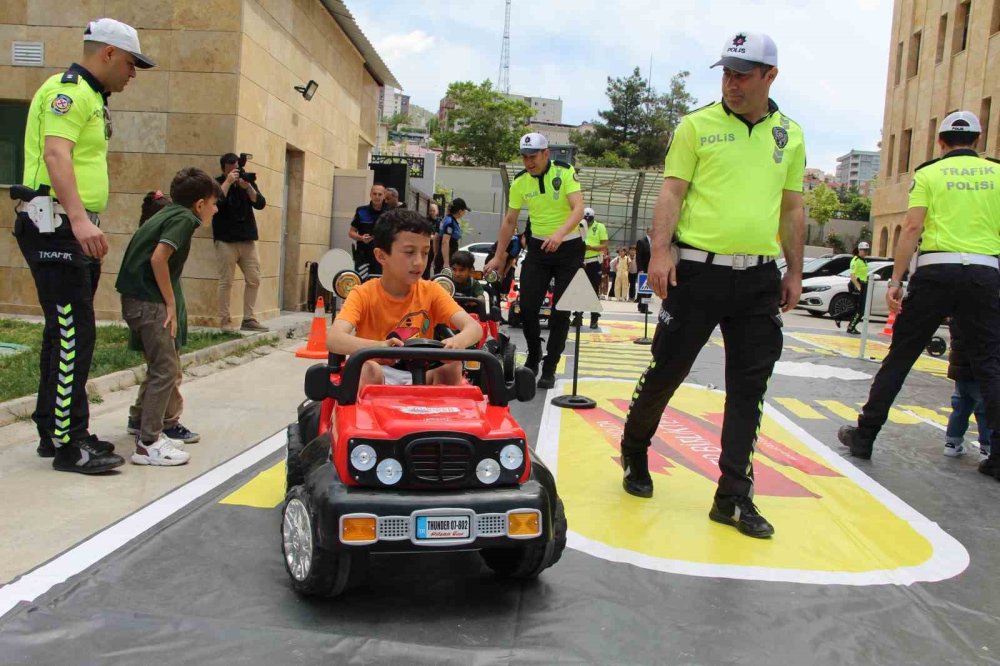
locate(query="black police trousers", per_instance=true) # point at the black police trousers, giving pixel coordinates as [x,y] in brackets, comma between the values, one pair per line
[593,270]
[970,295]
[538,270]
[66,281]
[745,304]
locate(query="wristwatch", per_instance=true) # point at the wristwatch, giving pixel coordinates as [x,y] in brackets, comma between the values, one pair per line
[895,283]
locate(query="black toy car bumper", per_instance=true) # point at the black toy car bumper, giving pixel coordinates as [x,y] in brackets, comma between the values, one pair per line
[387,520]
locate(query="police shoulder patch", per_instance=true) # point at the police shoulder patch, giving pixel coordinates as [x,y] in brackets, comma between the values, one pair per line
[702,108]
[780,135]
[61,104]
[70,77]
[565,165]
[993,159]
[913,183]
[519,174]
[927,163]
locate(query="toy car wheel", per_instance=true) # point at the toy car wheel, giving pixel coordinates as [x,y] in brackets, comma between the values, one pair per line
[313,571]
[937,346]
[509,361]
[530,560]
[294,474]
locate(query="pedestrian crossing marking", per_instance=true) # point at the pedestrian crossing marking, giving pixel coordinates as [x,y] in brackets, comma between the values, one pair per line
[925,413]
[875,349]
[264,491]
[799,408]
[839,409]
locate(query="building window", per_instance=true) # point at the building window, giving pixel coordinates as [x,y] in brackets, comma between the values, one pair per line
[899,62]
[883,242]
[995,21]
[892,151]
[984,120]
[913,63]
[931,138]
[895,237]
[13,117]
[943,35]
[961,26]
[904,150]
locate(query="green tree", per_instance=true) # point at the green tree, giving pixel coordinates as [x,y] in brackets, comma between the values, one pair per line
[482,127]
[855,206]
[822,203]
[638,125]
[397,119]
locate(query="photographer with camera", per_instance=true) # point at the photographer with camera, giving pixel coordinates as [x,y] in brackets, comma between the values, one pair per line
[234,230]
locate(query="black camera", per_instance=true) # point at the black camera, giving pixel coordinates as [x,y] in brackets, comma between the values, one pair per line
[241,162]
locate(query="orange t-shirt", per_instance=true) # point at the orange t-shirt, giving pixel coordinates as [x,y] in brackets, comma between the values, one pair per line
[375,314]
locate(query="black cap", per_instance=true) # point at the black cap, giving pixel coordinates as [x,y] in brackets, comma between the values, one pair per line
[458,203]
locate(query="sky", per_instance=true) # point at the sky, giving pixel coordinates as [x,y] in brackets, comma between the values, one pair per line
[832,56]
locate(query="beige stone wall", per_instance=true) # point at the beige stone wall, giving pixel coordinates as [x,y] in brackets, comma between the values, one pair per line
[224,82]
[961,80]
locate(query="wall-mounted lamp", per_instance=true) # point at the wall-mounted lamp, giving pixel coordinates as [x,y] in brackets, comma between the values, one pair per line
[308,90]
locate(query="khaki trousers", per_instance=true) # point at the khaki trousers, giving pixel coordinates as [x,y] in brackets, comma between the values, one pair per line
[228,256]
[159,394]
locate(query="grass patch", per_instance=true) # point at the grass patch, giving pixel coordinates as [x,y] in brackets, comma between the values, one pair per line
[19,372]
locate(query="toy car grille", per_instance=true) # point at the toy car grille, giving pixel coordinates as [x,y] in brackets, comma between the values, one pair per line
[491,524]
[439,460]
[393,528]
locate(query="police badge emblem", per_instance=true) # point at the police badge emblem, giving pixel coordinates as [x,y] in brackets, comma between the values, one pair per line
[780,137]
[61,104]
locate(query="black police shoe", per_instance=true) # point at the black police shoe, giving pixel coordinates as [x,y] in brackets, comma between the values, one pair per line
[991,467]
[852,439]
[593,325]
[46,449]
[637,480]
[547,380]
[532,363]
[86,456]
[741,513]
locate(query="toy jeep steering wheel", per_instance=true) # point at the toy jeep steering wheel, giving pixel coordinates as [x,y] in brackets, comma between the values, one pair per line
[418,367]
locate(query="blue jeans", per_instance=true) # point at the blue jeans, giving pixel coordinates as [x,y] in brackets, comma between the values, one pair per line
[967,400]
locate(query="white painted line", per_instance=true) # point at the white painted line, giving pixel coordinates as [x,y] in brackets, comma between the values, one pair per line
[948,559]
[37,582]
[927,421]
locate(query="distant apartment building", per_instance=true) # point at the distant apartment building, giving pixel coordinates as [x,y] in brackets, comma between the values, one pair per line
[545,110]
[813,178]
[944,56]
[858,167]
[391,102]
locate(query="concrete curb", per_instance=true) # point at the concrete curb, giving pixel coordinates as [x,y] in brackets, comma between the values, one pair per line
[21,408]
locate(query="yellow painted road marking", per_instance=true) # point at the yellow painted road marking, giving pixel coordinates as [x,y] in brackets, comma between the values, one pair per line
[264,491]
[840,409]
[799,408]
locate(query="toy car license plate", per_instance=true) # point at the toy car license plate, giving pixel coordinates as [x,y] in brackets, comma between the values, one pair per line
[472,365]
[442,527]
[546,312]
[517,308]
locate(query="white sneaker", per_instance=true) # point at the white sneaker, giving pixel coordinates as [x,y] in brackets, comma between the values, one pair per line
[954,450]
[162,452]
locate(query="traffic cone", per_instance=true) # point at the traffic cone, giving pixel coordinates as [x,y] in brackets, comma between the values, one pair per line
[316,344]
[888,324]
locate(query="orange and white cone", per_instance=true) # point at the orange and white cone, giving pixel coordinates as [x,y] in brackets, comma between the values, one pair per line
[316,344]
[888,324]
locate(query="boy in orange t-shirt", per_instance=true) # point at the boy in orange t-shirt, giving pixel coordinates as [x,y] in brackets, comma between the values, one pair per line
[400,303]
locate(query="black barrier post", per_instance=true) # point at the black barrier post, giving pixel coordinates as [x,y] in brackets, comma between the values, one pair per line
[575,401]
[645,339]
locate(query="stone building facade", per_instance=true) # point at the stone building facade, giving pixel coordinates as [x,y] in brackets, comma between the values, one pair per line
[944,56]
[225,81]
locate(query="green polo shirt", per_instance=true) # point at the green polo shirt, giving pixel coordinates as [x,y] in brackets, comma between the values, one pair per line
[961,192]
[548,205]
[71,106]
[859,268]
[737,175]
[597,233]
[174,225]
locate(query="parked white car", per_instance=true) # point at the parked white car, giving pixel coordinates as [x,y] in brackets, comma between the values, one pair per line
[479,252]
[830,295]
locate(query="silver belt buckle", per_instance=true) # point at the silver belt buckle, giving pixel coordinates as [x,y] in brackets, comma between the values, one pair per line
[741,262]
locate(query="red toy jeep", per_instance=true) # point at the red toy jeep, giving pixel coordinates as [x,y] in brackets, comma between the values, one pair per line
[394,469]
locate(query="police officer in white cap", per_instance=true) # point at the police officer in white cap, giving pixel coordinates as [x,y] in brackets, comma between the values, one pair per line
[551,191]
[954,217]
[58,232]
[595,235]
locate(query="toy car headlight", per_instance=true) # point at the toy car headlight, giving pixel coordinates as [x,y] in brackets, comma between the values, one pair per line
[511,456]
[389,471]
[363,458]
[488,470]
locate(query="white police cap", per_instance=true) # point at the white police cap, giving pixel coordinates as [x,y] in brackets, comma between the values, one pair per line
[961,121]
